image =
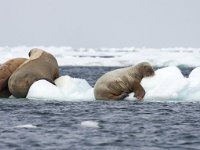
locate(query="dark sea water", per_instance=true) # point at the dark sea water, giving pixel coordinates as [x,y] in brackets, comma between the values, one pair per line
[122,124]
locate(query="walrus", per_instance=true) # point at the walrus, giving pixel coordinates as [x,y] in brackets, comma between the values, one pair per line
[6,70]
[117,84]
[40,65]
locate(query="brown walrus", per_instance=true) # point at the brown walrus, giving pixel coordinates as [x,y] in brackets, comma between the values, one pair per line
[6,70]
[40,65]
[117,84]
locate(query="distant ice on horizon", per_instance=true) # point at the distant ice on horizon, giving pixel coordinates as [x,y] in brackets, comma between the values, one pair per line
[68,56]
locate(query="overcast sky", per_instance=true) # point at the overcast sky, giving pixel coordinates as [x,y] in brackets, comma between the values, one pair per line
[100,23]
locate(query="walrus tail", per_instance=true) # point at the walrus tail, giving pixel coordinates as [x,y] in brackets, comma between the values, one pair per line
[49,80]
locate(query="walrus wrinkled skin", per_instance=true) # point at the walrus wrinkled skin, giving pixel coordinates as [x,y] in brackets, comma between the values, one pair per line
[6,70]
[117,84]
[40,65]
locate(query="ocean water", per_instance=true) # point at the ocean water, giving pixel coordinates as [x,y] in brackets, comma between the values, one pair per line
[35,124]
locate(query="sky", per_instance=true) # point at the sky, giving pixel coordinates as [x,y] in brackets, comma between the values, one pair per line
[100,23]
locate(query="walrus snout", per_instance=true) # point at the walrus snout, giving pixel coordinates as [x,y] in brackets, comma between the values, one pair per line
[149,71]
[146,69]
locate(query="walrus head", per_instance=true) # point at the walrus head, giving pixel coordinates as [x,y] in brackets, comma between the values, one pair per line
[145,69]
[35,53]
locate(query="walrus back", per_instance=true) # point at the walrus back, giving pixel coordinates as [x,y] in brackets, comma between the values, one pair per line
[110,84]
[19,83]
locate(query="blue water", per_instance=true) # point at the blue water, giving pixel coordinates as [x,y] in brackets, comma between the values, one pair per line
[122,124]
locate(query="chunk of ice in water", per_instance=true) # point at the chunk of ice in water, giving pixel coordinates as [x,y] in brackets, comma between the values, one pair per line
[26,126]
[90,124]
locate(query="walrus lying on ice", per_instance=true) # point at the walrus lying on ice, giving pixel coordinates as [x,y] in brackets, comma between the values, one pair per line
[40,65]
[117,84]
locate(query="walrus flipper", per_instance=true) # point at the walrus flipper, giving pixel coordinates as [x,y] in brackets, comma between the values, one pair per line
[139,91]
[118,97]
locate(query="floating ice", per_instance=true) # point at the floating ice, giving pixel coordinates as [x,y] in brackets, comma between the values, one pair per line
[26,126]
[44,90]
[74,88]
[90,124]
[192,92]
[168,84]
[66,89]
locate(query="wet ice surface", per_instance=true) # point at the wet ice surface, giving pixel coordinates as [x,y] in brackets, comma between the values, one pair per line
[34,124]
